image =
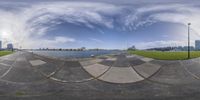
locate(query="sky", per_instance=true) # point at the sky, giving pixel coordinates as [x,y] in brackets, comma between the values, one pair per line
[113,24]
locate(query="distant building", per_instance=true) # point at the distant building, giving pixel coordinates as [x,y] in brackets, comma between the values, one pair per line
[10,46]
[197,44]
[132,48]
[185,48]
[179,48]
[83,48]
[0,45]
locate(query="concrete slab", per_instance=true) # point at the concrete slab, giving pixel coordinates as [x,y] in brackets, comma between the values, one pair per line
[139,57]
[48,68]
[96,69]
[147,59]
[130,56]
[7,62]
[136,61]
[121,75]
[37,62]
[193,68]
[173,73]
[112,59]
[10,59]
[147,69]
[196,60]
[71,71]
[121,61]
[3,69]
[90,62]
[188,62]
[21,59]
[22,72]
[107,62]
[4,64]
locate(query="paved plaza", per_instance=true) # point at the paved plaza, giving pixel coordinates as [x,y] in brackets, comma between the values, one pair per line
[25,75]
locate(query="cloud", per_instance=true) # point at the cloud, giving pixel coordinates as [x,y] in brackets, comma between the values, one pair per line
[171,13]
[28,25]
[51,43]
[96,40]
[174,13]
[73,12]
[56,41]
[60,39]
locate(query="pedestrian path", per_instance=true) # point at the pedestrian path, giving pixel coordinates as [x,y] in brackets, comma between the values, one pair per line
[34,75]
[121,69]
[26,67]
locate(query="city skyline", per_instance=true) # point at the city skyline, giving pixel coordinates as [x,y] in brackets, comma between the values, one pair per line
[98,24]
[5,46]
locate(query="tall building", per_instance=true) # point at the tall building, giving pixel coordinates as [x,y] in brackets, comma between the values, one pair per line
[197,44]
[0,45]
[9,46]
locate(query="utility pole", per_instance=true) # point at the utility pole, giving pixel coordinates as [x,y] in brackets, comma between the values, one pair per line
[189,40]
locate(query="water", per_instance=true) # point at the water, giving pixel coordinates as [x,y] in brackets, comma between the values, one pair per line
[75,54]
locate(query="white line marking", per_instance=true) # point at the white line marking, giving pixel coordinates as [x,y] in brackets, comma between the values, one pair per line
[189,71]
[4,64]
[4,74]
[11,66]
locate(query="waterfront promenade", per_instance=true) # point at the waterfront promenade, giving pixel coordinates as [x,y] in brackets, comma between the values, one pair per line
[24,75]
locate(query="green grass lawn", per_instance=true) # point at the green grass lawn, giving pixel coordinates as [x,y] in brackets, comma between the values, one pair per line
[3,53]
[166,55]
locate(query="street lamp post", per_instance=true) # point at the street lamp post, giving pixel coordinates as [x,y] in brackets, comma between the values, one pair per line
[189,40]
